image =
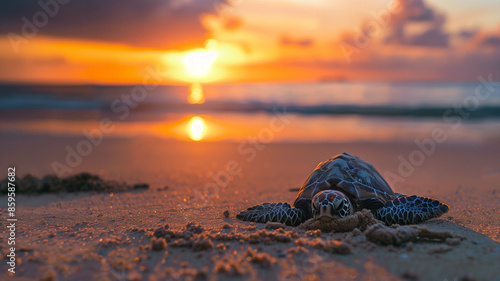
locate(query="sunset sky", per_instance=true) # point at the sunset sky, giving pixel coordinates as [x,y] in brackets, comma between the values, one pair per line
[212,41]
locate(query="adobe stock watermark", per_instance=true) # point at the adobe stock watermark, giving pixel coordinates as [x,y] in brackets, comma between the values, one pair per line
[31,26]
[119,106]
[249,149]
[454,117]
[364,35]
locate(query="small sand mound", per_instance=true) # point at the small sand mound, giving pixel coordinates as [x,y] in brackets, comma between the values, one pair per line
[263,259]
[396,235]
[108,242]
[238,265]
[251,227]
[202,244]
[338,247]
[361,220]
[158,244]
[313,233]
[297,250]
[194,228]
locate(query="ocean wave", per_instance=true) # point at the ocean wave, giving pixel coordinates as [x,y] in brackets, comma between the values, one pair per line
[380,111]
[304,101]
[488,111]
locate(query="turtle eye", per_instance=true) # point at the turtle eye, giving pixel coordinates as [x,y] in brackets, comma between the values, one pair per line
[340,205]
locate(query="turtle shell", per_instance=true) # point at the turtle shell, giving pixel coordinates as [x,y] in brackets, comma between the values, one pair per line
[360,180]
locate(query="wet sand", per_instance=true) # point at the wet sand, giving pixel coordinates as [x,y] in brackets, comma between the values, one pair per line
[122,236]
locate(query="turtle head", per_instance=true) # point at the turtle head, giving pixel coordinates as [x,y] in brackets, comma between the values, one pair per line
[331,204]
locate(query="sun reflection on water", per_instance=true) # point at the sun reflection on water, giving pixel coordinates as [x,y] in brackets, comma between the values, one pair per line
[196,94]
[196,128]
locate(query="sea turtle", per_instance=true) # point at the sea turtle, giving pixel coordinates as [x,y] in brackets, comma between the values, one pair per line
[340,186]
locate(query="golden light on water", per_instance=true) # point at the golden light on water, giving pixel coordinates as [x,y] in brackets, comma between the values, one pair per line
[196,94]
[196,128]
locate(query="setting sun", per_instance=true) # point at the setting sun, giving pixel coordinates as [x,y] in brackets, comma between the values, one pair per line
[196,128]
[199,63]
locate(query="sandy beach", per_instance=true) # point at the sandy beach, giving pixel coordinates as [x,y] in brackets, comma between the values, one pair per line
[171,231]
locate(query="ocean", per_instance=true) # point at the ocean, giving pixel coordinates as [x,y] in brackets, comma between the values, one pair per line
[295,112]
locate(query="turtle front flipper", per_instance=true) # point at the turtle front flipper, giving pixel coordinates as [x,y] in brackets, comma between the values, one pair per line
[276,212]
[410,210]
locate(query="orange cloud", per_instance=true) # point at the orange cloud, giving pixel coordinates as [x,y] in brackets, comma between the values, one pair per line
[256,41]
[300,42]
[144,24]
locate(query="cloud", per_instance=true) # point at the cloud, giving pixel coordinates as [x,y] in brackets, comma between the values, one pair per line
[252,42]
[389,67]
[467,33]
[416,12]
[486,40]
[491,41]
[147,23]
[232,22]
[300,42]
